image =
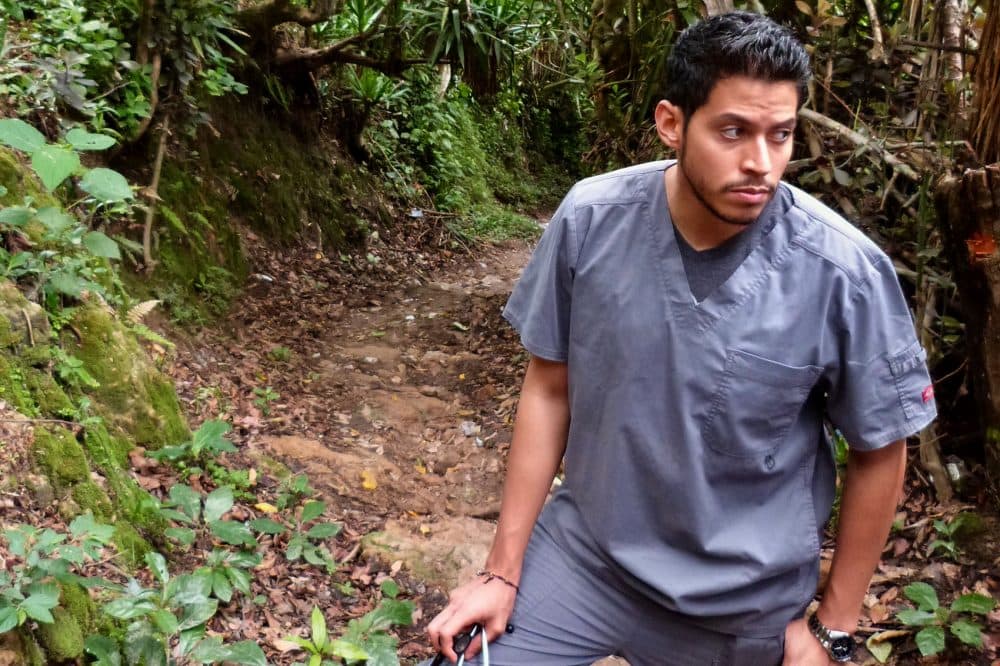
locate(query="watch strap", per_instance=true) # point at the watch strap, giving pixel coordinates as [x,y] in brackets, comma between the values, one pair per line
[838,644]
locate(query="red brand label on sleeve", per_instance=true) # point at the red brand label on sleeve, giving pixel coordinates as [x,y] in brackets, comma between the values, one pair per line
[928,393]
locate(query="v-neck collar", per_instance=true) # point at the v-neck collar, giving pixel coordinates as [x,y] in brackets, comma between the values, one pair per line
[771,250]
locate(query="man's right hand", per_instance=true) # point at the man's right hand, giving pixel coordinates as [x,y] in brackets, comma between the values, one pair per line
[489,604]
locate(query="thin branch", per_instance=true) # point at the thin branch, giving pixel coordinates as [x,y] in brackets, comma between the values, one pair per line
[861,141]
[878,50]
[152,193]
[940,47]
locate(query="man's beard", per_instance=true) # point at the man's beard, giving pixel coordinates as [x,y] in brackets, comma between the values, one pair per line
[698,189]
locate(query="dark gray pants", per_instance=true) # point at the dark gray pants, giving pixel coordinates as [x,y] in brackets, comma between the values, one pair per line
[572,611]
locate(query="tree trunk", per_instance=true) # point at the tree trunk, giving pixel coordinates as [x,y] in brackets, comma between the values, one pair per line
[986,121]
[969,218]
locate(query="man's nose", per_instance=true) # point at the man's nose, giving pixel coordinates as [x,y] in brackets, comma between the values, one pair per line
[757,159]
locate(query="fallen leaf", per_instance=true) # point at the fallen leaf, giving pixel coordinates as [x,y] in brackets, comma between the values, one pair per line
[425,529]
[368,481]
[265,507]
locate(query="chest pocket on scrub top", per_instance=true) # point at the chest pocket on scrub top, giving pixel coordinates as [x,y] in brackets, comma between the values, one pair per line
[755,404]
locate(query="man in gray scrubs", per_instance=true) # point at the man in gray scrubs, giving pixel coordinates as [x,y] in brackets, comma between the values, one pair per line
[692,324]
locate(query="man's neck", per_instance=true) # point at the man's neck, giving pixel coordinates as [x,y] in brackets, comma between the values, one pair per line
[697,224]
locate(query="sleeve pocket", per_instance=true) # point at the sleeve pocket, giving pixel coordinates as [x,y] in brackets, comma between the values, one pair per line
[913,383]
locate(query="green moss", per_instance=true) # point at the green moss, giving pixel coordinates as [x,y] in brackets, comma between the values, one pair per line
[20,182]
[76,600]
[133,396]
[130,544]
[47,394]
[106,452]
[12,386]
[60,456]
[63,639]
[89,496]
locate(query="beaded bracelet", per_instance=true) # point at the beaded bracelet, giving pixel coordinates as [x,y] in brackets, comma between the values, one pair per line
[490,576]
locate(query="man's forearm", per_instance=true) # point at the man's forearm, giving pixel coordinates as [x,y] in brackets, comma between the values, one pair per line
[868,505]
[536,450]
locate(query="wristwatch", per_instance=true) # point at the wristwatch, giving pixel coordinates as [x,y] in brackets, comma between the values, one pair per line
[838,644]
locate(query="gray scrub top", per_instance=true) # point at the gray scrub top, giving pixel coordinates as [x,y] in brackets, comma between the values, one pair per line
[696,462]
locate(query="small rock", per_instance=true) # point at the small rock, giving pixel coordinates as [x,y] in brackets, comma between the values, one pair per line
[470,429]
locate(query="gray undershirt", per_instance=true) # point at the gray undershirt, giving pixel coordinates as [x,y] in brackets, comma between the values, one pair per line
[708,269]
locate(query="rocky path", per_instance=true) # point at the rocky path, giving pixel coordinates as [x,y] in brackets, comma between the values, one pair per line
[391,384]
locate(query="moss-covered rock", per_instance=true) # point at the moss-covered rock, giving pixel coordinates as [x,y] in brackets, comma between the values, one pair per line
[130,544]
[47,394]
[63,639]
[21,321]
[133,396]
[13,388]
[20,181]
[60,456]
[78,603]
[90,497]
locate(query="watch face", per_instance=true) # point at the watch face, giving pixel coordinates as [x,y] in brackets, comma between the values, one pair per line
[842,648]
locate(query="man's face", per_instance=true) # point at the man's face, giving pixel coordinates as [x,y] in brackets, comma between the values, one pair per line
[733,150]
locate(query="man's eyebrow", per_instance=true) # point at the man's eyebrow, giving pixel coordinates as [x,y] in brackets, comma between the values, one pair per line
[743,120]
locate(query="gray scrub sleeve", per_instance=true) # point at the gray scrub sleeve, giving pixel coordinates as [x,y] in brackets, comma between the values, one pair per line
[539,307]
[883,391]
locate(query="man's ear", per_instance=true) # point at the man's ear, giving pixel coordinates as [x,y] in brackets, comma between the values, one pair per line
[669,124]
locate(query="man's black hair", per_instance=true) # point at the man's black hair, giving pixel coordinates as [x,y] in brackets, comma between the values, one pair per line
[733,44]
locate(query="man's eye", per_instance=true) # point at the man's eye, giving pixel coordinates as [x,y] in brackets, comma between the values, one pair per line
[782,135]
[731,132]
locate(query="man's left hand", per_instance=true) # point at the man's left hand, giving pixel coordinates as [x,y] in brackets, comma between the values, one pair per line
[802,648]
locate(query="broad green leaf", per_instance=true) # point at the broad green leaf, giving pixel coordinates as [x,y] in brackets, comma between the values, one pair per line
[880,649]
[55,219]
[323,531]
[187,500]
[319,635]
[210,436]
[165,621]
[197,614]
[104,649]
[8,618]
[247,653]
[158,565]
[188,589]
[381,649]
[127,608]
[969,633]
[347,650]
[923,595]
[106,185]
[221,587]
[312,510]
[973,603]
[240,579]
[190,638]
[267,526]
[142,647]
[101,246]
[218,502]
[41,601]
[232,532]
[209,651]
[16,216]
[185,536]
[67,283]
[54,164]
[294,549]
[84,140]
[930,640]
[916,618]
[20,135]
[388,613]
